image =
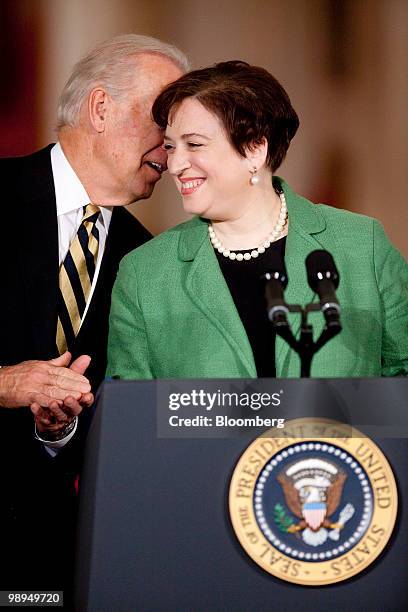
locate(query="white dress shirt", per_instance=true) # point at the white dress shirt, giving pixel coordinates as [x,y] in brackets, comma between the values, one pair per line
[71,197]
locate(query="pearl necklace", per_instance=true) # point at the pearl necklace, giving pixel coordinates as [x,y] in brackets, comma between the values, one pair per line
[277,230]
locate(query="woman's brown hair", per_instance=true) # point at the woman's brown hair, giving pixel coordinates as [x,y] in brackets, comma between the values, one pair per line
[250,102]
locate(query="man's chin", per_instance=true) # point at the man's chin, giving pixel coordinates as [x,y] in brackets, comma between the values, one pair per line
[145,194]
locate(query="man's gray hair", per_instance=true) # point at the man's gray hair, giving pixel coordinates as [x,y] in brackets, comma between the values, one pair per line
[110,65]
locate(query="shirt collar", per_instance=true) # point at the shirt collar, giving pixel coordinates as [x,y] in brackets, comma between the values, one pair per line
[70,194]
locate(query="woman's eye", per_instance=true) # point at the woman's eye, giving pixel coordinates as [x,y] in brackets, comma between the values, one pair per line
[194,145]
[167,147]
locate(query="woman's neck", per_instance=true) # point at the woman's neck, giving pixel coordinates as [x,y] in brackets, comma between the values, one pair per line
[254,223]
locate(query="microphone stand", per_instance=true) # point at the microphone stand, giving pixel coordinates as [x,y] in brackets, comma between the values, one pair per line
[305,347]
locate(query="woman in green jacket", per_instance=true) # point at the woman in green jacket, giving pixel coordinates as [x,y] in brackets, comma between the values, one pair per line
[189,303]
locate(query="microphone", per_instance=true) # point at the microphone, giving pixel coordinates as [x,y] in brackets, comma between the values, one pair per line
[276,282]
[323,278]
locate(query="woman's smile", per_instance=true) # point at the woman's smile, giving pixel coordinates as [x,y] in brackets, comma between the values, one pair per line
[190,184]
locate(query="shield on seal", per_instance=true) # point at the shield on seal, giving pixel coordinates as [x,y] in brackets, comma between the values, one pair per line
[314,514]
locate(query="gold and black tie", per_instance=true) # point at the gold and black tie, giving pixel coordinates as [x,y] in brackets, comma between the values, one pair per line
[75,278]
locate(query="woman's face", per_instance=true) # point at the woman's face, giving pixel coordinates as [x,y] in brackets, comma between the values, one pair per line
[212,177]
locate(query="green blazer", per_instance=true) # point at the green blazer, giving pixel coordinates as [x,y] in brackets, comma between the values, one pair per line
[172,314]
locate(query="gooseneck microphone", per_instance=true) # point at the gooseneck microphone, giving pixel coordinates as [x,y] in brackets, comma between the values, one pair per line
[276,280]
[323,278]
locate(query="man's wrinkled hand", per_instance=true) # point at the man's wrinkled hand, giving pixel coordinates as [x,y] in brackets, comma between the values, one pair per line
[45,383]
[52,419]
[58,415]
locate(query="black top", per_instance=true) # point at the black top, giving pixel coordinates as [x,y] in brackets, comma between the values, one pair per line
[248,293]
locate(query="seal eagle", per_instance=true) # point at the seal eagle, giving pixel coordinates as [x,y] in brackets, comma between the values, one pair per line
[312,489]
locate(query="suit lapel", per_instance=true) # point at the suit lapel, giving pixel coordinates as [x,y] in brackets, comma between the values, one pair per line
[39,255]
[125,234]
[208,290]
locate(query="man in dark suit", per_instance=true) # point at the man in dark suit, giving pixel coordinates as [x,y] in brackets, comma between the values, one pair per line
[108,155]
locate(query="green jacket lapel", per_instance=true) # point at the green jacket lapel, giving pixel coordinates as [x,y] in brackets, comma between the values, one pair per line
[207,288]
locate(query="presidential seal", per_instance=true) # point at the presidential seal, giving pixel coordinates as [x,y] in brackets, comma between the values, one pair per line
[316,506]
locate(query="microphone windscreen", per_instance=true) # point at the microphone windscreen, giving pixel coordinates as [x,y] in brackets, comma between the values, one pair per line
[320,266]
[276,269]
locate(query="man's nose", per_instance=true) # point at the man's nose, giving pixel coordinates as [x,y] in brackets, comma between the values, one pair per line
[178,161]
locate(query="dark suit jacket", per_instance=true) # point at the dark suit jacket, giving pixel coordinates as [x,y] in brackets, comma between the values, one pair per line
[37,490]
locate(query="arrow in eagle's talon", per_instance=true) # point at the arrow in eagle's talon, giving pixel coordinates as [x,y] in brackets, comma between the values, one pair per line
[345,515]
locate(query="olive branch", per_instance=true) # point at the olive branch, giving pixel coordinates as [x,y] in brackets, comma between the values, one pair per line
[282,520]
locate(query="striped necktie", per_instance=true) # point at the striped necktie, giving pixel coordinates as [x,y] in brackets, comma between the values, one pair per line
[75,278]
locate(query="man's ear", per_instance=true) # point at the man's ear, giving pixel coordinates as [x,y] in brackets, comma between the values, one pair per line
[256,154]
[97,108]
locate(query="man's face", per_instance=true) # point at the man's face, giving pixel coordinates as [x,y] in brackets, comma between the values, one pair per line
[129,151]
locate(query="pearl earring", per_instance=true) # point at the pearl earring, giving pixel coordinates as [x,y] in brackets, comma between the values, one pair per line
[254,180]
